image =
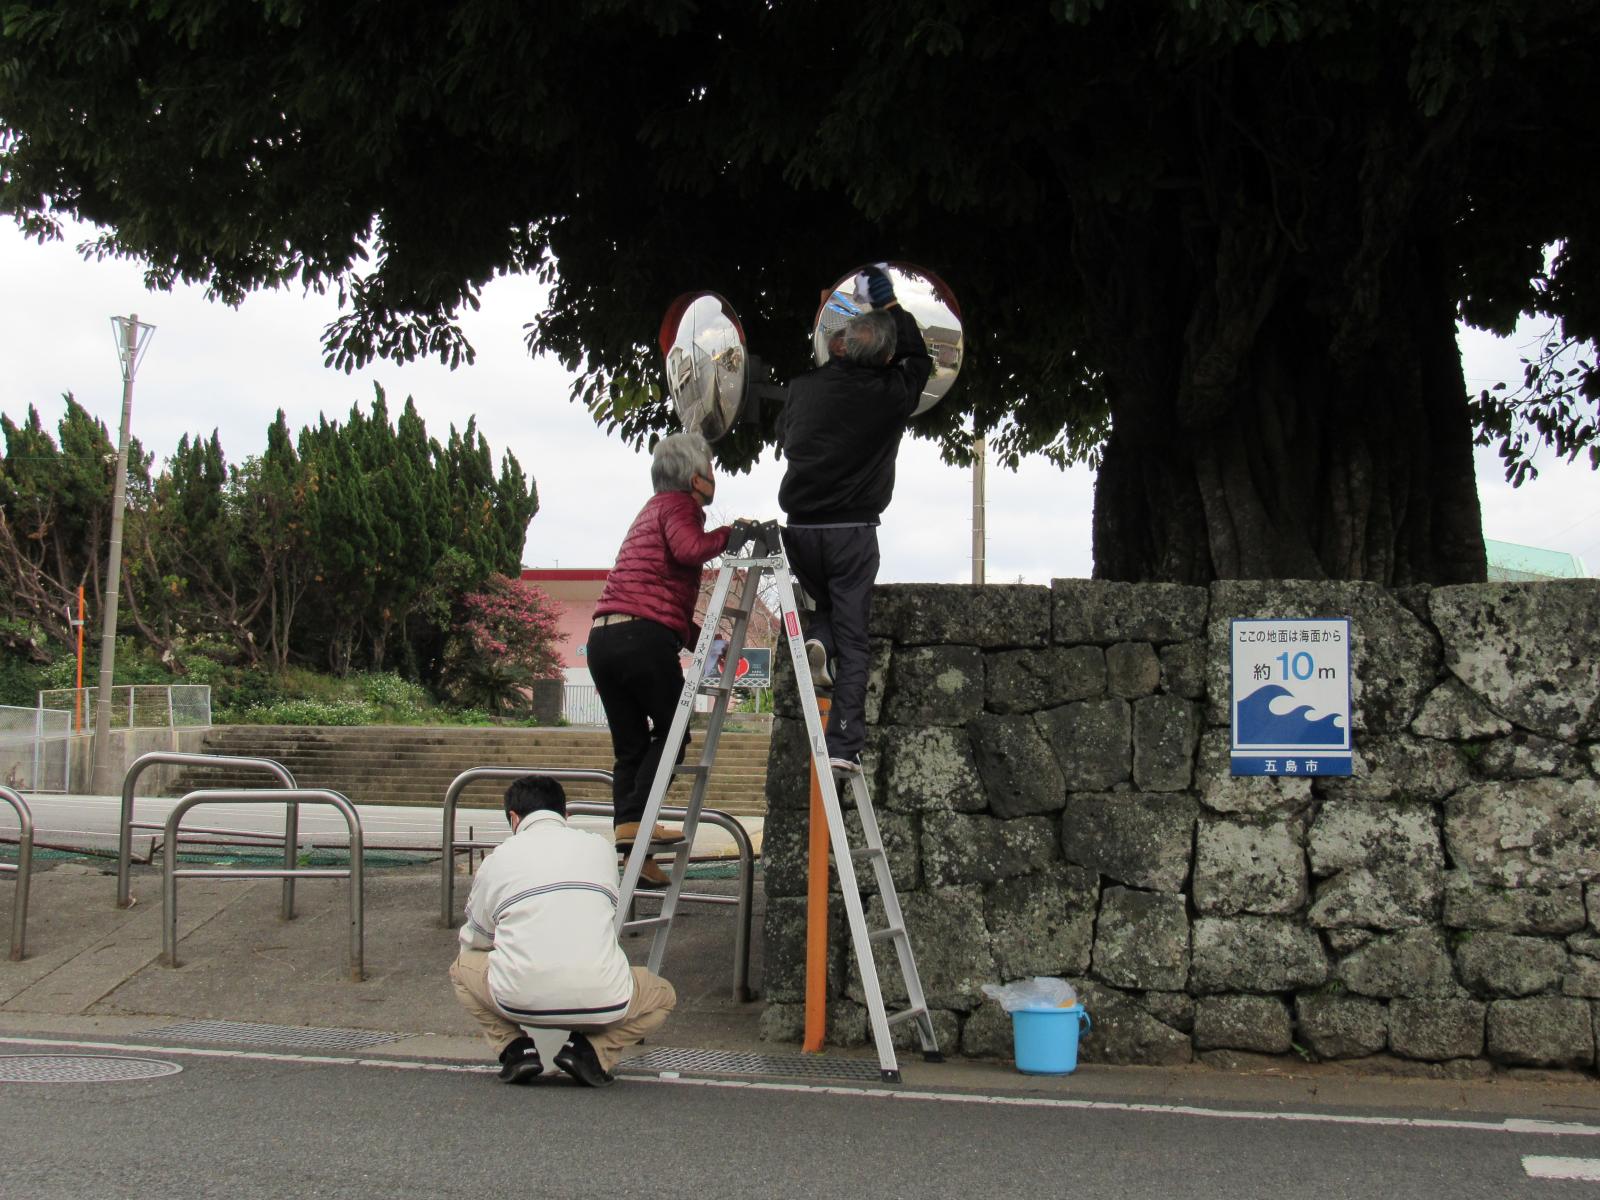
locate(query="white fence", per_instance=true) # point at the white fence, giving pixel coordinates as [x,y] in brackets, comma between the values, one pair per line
[580,705]
[37,744]
[35,749]
[136,706]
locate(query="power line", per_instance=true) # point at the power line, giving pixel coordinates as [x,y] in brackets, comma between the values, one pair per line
[1575,524]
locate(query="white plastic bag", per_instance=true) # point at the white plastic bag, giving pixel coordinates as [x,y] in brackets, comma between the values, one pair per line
[1039,992]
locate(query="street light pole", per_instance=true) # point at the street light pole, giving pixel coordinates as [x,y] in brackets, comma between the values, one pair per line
[133,339]
[979,531]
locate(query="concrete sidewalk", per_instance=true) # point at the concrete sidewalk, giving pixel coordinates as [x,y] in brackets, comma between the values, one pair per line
[94,975]
[93,966]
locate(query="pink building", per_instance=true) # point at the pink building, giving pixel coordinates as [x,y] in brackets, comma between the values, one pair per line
[576,591]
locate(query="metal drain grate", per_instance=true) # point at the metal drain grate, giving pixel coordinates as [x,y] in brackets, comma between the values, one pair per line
[245,1033]
[724,1062]
[81,1068]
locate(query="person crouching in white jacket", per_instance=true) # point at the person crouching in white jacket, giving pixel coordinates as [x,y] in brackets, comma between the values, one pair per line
[539,947]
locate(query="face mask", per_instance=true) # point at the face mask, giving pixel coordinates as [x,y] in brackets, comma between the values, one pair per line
[705,489]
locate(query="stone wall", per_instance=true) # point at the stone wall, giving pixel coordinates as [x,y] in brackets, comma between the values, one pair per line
[1050,767]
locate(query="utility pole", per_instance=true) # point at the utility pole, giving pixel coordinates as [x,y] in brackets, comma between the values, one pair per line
[979,533]
[133,339]
[77,625]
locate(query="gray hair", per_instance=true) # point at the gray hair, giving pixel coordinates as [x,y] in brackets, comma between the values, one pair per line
[677,459]
[870,338]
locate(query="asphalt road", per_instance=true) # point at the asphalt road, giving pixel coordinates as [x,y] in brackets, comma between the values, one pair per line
[230,1127]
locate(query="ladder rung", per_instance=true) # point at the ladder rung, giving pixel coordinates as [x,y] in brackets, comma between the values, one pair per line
[691,769]
[715,689]
[867,852]
[883,935]
[646,923]
[729,610]
[910,1014]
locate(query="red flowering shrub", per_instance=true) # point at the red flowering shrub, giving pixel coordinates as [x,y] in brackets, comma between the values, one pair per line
[504,639]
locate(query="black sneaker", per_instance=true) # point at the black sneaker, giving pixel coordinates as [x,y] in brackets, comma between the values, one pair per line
[519,1062]
[578,1059]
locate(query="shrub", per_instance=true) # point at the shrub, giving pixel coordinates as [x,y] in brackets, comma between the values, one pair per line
[388,690]
[20,680]
[505,640]
[308,712]
[197,668]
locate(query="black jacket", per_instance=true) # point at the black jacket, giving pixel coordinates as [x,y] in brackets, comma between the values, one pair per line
[841,428]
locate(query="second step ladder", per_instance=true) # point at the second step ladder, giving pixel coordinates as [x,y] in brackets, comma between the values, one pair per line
[755,553]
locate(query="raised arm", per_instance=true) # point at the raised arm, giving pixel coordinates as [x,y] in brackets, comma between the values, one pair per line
[689,543]
[911,364]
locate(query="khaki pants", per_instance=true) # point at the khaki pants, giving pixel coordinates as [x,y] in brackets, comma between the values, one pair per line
[653,999]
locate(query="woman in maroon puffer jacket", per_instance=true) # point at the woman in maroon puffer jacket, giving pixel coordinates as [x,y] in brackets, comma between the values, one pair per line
[644,617]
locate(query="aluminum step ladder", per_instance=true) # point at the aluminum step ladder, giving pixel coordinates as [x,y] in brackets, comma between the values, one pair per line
[755,552]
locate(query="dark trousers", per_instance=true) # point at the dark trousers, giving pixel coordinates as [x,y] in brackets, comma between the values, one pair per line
[635,669]
[837,567]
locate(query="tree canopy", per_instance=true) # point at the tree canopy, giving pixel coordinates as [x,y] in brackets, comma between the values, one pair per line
[1216,247]
[366,543]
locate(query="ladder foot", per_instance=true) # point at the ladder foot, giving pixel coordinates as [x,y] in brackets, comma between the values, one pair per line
[889,1076]
[932,1056]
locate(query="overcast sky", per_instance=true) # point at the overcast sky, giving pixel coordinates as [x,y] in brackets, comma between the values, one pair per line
[210,366]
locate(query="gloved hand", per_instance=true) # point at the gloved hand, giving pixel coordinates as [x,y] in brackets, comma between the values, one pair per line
[880,288]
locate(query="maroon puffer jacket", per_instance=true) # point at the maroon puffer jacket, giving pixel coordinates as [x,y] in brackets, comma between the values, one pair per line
[657,575]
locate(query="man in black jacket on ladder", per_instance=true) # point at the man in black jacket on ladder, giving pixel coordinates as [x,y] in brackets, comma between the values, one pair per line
[841,430]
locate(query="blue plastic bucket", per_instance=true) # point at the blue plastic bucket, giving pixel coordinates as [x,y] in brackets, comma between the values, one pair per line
[1046,1039]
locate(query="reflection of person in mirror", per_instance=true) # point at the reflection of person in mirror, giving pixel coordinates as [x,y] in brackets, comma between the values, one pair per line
[714,661]
[840,430]
[644,616]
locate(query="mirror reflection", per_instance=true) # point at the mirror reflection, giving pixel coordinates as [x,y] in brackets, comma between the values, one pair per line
[707,369]
[921,293]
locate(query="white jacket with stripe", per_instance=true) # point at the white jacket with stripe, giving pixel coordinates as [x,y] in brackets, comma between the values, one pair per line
[543,904]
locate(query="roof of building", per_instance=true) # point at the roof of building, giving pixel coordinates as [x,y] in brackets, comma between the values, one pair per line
[1510,563]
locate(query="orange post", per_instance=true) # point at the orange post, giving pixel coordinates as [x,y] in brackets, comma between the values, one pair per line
[817,913]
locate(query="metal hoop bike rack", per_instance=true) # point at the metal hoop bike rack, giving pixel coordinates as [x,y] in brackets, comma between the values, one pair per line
[177,758]
[170,872]
[22,869]
[743,901]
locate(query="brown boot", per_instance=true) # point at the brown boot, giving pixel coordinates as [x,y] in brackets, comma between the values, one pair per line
[628,833]
[652,876]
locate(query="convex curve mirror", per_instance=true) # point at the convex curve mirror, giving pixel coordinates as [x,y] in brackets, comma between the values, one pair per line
[708,371]
[922,294]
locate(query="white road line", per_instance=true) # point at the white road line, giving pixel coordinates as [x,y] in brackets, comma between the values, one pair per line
[327,1060]
[1513,1125]
[1542,1167]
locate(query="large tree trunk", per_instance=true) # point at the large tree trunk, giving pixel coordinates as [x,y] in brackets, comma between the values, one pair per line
[1277,341]
[1282,445]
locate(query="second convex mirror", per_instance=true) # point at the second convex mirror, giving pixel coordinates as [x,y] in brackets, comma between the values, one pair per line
[708,370]
[922,294]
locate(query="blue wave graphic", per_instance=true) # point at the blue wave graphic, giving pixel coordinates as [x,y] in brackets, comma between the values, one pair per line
[1258,725]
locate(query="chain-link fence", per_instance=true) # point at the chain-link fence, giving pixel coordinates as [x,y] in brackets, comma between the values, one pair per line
[35,749]
[136,706]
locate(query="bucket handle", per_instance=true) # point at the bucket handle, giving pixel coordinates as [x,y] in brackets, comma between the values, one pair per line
[1083,1015]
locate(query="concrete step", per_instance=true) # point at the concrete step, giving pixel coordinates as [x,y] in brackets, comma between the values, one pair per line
[415,764]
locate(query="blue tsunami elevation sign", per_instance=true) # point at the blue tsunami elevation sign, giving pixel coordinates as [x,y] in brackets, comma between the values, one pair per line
[1256,724]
